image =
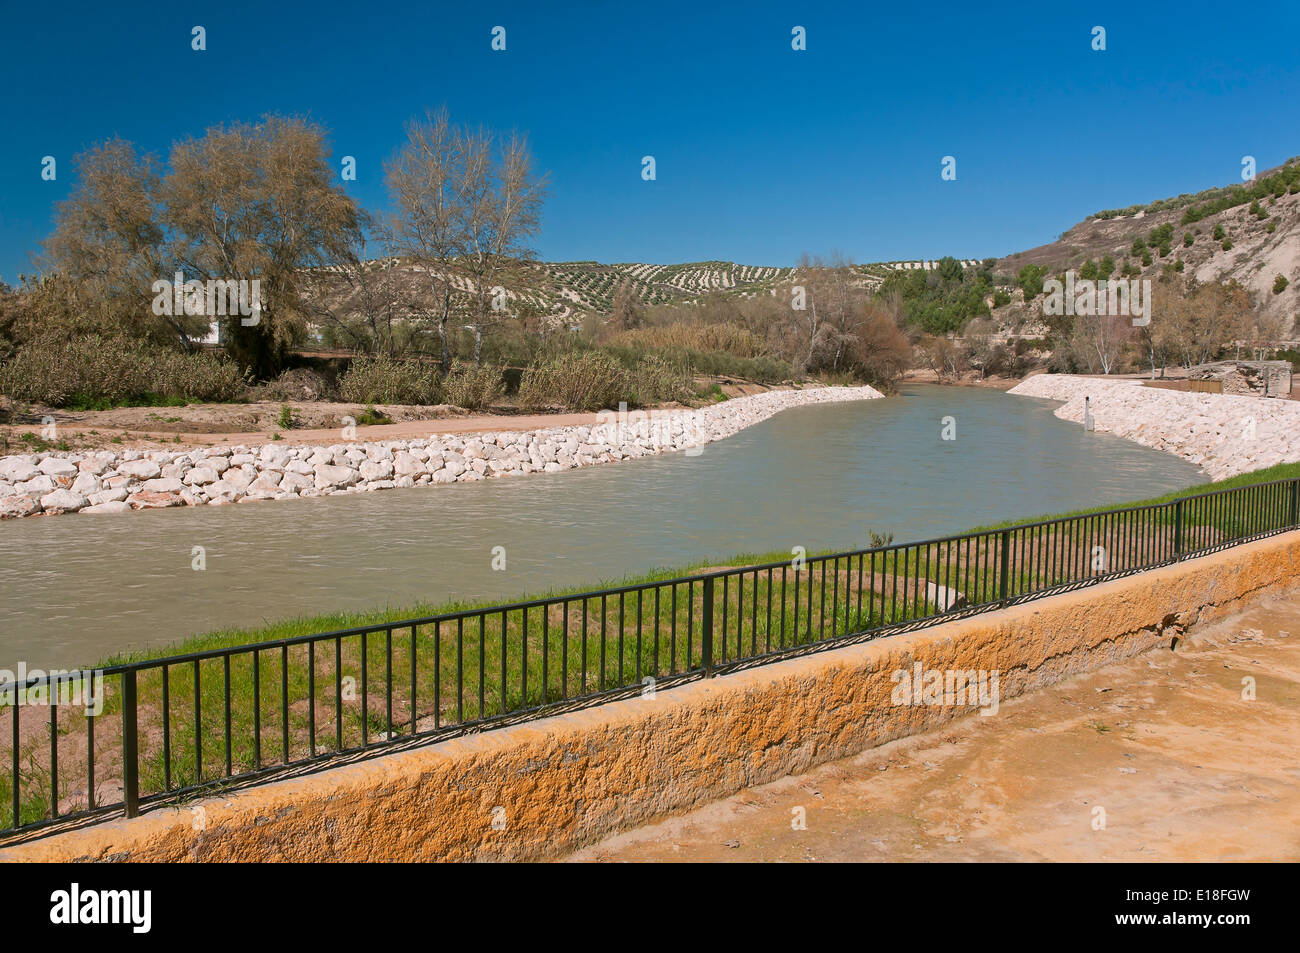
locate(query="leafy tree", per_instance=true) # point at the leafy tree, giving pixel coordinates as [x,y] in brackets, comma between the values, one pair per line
[244,202]
[1030,279]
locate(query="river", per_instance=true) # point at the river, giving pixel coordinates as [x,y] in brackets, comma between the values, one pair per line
[77,588]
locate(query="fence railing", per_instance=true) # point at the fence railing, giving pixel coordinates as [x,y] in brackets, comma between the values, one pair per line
[83,744]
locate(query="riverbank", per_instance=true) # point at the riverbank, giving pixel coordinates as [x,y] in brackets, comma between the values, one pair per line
[1225,434]
[123,480]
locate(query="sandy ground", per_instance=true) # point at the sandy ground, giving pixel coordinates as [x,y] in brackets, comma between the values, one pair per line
[1183,768]
[969,379]
[315,422]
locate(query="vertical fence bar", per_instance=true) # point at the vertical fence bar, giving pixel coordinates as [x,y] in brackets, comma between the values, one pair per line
[257,708]
[130,750]
[706,644]
[54,747]
[1178,531]
[90,761]
[167,730]
[1005,546]
[284,701]
[14,757]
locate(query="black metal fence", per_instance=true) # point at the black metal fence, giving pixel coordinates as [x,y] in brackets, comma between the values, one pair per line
[115,740]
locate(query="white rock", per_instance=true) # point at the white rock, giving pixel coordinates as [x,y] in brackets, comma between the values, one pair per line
[334,476]
[118,506]
[85,484]
[16,470]
[163,485]
[376,469]
[140,469]
[201,476]
[38,485]
[19,505]
[57,467]
[63,501]
[240,477]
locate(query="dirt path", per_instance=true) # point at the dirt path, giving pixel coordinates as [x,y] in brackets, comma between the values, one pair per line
[1183,768]
[314,422]
[148,428]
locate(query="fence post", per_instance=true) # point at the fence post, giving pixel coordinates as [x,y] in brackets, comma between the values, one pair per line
[1295,499]
[706,642]
[1178,531]
[1006,566]
[130,751]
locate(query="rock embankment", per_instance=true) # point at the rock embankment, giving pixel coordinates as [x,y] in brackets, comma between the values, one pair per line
[108,481]
[1222,433]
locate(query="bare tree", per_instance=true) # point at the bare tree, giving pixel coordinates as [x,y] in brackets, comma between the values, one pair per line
[360,300]
[465,204]
[1099,340]
[832,302]
[1196,322]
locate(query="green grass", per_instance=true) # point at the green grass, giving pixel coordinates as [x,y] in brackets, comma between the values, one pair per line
[335,690]
[84,402]
[1281,471]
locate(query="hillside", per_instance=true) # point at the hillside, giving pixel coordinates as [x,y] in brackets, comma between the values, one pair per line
[1262,243]
[564,291]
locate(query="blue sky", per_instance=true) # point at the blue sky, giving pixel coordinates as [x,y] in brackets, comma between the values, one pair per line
[762,153]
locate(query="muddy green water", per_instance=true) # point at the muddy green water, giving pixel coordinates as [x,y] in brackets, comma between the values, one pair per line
[77,588]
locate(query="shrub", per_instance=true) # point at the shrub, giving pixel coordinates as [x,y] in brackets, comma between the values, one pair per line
[586,380]
[473,386]
[97,371]
[731,338]
[1188,240]
[1279,284]
[656,381]
[1227,244]
[382,380]
[1218,233]
[299,383]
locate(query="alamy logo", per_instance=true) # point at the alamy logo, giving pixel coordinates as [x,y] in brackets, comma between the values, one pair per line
[946,687]
[1109,298]
[656,427]
[82,688]
[216,297]
[73,906]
